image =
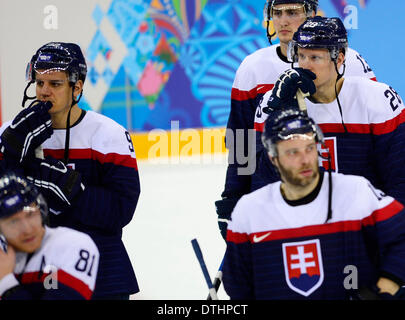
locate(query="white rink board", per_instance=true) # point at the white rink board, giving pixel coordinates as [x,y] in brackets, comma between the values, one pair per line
[176,205]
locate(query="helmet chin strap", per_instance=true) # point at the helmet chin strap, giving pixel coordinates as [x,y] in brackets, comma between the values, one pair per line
[67,137]
[26,97]
[269,36]
[339,75]
[329,216]
[329,158]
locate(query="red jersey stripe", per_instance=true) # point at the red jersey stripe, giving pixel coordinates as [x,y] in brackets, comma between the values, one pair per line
[115,158]
[351,128]
[341,226]
[389,125]
[62,277]
[236,237]
[74,283]
[374,128]
[259,126]
[241,95]
[383,214]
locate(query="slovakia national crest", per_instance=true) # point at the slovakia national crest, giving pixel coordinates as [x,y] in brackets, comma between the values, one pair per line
[303,266]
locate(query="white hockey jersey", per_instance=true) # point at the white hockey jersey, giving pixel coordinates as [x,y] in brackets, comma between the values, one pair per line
[102,152]
[373,145]
[260,70]
[255,76]
[276,250]
[64,267]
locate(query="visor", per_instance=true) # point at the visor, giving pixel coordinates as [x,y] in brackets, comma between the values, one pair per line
[268,9]
[311,41]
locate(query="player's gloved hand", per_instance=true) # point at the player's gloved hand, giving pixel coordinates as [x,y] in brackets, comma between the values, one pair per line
[285,89]
[373,293]
[59,184]
[224,210]
[29,129]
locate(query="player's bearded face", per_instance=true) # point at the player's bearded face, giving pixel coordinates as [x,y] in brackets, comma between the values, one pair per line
[298,162]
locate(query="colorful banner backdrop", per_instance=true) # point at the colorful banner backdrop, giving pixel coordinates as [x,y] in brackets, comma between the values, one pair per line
[157,61]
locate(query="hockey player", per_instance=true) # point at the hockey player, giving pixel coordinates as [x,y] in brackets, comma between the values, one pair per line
[362,120]
[314,234]
[89,173]
[38,262]
[255,76]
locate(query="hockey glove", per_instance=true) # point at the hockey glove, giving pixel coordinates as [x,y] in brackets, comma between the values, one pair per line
[285,89]
[29,129]
[224,209]
[58,184]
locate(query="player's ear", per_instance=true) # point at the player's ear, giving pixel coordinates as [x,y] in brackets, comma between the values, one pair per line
[273,160]
[78,87]
[340,59]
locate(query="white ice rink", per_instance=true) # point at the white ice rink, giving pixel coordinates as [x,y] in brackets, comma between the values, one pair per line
[176,205]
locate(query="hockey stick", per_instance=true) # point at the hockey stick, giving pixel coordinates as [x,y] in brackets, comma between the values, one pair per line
[204,269]
[301,99]
[39,153]
[217,280]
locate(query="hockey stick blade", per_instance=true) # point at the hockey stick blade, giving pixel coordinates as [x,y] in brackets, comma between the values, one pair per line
[200,258]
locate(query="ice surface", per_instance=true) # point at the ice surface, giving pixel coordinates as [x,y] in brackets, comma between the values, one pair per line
[176,205]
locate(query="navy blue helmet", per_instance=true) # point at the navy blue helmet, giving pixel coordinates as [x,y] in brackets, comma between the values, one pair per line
[319,33]
[309,6]
[16,193]
[284,124]
[59,56]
